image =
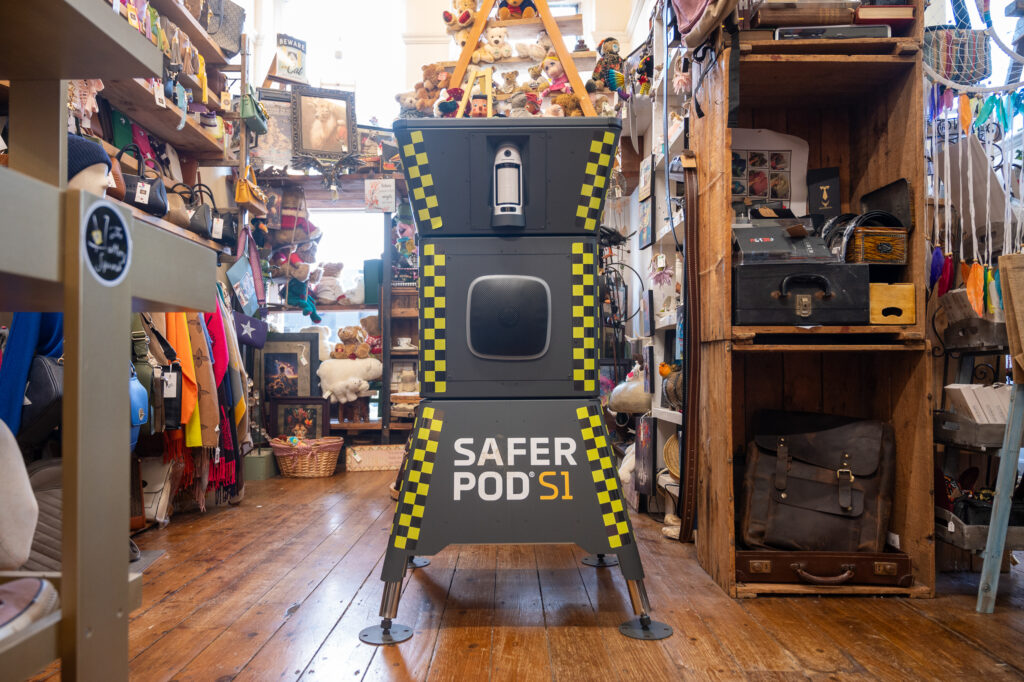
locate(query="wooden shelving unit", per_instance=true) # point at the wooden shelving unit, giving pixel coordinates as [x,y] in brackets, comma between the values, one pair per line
[859,105]
[520,30]
[176,12]
[585,61]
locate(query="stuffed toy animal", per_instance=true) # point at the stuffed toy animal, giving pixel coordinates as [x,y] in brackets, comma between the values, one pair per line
[461,16]
[516,9]
[608,72]
[602,105]
[356,295]
[343,380]
[525,105]
[478,104]
[325,340]
[428,90]
[559,80]
[536,83]
[407,105]
[329,289]
[374,337]
[538,50]
[569,103]
[509,87]
[496,38]
[447,104]
[555,111]
[298,295]
[481,53]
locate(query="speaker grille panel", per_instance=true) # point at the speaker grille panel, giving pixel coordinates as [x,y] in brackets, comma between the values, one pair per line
[508,317]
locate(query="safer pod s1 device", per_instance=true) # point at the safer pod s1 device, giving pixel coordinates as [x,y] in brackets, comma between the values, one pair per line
[507,175]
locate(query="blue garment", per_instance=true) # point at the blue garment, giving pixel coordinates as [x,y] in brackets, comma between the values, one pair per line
[31,334]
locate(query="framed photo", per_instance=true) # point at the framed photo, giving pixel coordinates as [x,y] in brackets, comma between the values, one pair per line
[324,123]
[646,178]
[300,417]
[645,233]
[645,434]
[275,148]
[647,314]
[287,366]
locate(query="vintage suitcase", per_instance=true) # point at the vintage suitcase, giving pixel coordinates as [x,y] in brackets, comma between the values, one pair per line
[880,245]
[800,293]
[818,483]
[824,568]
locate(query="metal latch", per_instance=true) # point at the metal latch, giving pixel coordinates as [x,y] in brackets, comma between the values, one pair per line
[760,566]
[885,568]
[803,305]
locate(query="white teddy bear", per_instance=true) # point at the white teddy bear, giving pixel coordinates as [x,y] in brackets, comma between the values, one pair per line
[496,39]
[326,346]
[343,380]
[538,50]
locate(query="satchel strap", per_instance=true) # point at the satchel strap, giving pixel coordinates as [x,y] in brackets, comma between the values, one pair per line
[140,339]
[200,190]
[168,349]
[185,192]
[782,461]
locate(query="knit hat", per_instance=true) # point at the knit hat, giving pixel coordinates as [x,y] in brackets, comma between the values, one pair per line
[83,153]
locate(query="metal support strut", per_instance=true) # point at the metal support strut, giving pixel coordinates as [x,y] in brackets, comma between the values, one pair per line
[642,627]
[600,560]
[388,632]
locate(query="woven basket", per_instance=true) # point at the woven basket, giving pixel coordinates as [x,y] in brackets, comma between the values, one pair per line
[309,459]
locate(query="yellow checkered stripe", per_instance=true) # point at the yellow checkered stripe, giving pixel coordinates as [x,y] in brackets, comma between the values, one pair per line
[433,368]
[422,191]
[412,496]
[595,184]
[585,330]
[606,480]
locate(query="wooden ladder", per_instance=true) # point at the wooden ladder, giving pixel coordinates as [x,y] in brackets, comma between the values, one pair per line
[551,26]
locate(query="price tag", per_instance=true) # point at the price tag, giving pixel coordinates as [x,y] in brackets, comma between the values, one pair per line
[216,456]
[116,5]
[110,181]
[225,100]
[142,193]
[191,213]
[218,228]
[660,261]
[171,385]
[158,95]
[951,527]
[133,17]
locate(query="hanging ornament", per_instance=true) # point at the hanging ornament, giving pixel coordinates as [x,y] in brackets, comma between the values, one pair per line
[965,113]
[991,296]
[946,278]
[936,266]
[976,288]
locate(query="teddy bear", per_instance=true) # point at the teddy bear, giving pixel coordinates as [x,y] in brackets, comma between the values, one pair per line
[462,15]
[516,9]
[525,105]
[447,104]
[569,103]
[496,38]
[481,53]
[356,294]
[374,337]
[353,341]
[559,79]
[555,111]
[325,339]
[407,105]
[536,83]
[343,380]
[509,87]
[428,90]
[329,289]
[538,50]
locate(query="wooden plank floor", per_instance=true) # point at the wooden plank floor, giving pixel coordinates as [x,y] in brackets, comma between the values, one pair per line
[279,587]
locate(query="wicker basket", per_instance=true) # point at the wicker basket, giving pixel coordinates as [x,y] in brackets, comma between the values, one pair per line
[309,458]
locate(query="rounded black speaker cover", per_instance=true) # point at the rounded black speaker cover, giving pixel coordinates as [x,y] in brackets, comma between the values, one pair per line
[508,317]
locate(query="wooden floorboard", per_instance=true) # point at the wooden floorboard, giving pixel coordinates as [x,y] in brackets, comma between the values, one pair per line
[280,586]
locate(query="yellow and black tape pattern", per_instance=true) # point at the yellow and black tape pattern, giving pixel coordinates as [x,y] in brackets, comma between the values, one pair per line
[606,480]
[595,184]
[585,330]
[412,497]
[433,368]
[422,191]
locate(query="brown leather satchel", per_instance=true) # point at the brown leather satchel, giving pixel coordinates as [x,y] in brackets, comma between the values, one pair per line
[818,483]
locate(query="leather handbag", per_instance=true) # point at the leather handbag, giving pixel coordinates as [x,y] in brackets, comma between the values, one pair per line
[167,379]
[44,394]
[248,194]
[178,200]
[223,224]
[139,399]
[225,20]
[250,330]
[144,191]
[818,482]
[253,113]
[115,183]
[201,221]
[156,488]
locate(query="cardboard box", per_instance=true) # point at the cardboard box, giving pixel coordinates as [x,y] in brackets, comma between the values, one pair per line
[374,457]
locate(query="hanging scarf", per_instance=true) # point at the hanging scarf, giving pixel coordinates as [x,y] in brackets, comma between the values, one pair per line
[177,335]
[31,334]
[207,384]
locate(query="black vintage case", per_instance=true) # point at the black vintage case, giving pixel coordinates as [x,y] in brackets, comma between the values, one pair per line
[800,293]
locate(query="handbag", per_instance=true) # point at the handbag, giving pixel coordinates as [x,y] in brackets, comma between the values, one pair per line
[44,395]
[250,330]
[248,194]
[223,224]
[115,183]
[167,379]
[178,201]
[156,487]
[142,191]
[253,113]
[138,396]
[224,24]
[818,482]
[122,129]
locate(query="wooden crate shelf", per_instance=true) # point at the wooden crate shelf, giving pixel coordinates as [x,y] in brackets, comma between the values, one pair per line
[585,62]
[176,12]
[855,46]
[192,83]
[135,99]
[144,217]
[356,426]
[520,30]
[784,79]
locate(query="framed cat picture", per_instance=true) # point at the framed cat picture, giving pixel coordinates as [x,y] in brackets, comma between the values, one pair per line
[324,123]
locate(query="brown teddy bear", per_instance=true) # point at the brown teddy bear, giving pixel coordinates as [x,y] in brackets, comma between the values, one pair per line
[434,79]
[371,324]
[462,15]
[516,9]
[353,343]
[537,81]
[481,53]
[509,87]
[570,104]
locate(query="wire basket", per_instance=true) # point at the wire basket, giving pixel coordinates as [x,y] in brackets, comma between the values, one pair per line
[314,458]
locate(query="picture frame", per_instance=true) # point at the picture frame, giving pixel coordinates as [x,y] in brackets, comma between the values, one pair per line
[645,232]
[646,178]
[301,417]
[287,365]
[324,123]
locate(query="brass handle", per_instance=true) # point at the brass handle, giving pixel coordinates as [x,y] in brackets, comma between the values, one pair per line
[840,579]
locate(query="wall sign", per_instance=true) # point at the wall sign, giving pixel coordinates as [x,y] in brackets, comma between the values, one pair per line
[108,244]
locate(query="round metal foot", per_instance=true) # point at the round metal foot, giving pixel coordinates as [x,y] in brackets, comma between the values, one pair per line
[645,628]
[418,562]
[600,560]
[375,634]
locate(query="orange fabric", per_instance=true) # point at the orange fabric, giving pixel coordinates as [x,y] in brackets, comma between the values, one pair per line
[965,272]
[976,288]
[177,336]
[965,113]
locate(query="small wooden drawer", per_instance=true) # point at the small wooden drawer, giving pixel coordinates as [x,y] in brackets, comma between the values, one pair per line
[885,245]
[893,304]
[404,303]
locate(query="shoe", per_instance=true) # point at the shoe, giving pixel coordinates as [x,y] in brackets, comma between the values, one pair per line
[23,602]
[134,553]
